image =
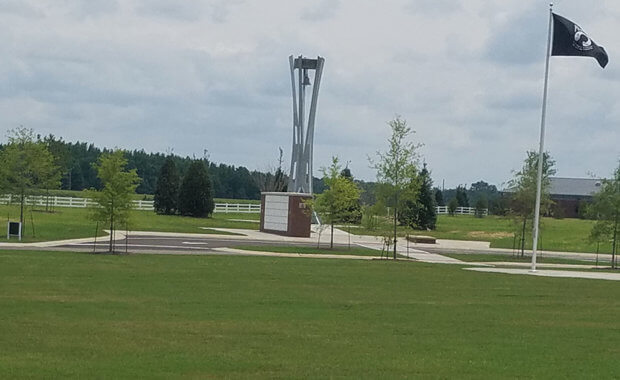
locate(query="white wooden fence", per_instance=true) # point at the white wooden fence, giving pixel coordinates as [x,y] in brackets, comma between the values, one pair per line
[53,201]
[241,208]
[244,208]
[443,210]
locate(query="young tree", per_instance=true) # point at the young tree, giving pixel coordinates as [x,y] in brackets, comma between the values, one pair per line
[114,202]
[421,213]
[195,195]
[167,190]
[452,206]
[481,205]
[523,187]
[26,164]
[397,167]
[605,208]
[499,205]
[334,204]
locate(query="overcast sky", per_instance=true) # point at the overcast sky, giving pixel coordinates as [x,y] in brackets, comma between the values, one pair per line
[186,76]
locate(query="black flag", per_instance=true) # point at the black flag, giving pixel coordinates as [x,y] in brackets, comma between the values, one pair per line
[570,39]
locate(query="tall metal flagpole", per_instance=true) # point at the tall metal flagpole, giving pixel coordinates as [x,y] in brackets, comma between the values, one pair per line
[541,149]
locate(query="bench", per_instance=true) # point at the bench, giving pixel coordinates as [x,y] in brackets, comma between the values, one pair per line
[422,239]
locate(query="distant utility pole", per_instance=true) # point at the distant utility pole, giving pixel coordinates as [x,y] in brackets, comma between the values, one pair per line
[300,177]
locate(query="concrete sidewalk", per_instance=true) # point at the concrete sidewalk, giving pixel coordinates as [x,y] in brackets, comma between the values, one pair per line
[543,265]
[552,273]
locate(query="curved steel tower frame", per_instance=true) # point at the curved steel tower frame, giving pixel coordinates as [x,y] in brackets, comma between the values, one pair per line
[300,177]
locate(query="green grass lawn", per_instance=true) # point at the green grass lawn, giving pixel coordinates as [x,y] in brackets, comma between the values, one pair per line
[339,250]
[142,316]
[568,235]
[69,223]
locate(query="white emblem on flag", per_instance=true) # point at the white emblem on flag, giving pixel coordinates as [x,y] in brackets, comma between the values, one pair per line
[582,41]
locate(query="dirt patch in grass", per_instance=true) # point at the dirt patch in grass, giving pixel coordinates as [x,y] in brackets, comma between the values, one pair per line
[488,235]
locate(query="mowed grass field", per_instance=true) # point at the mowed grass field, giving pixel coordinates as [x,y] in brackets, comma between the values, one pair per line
[570,235]
[154,316]
[70,223]
[565,235]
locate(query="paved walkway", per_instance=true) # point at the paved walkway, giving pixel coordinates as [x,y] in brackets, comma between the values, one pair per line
[543,265]
[552,273]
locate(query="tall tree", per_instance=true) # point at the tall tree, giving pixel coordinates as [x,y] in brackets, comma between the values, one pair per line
[167,191]
[421,213]
[195,195]
[439,197]
[114,201]
[523,188]
[482,190]
[461,196]
[334,203]
[605,208]
[60,151]
[26,165]
[354,212]
[397,166]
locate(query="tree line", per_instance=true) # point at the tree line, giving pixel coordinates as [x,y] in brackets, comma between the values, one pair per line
[75,161]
